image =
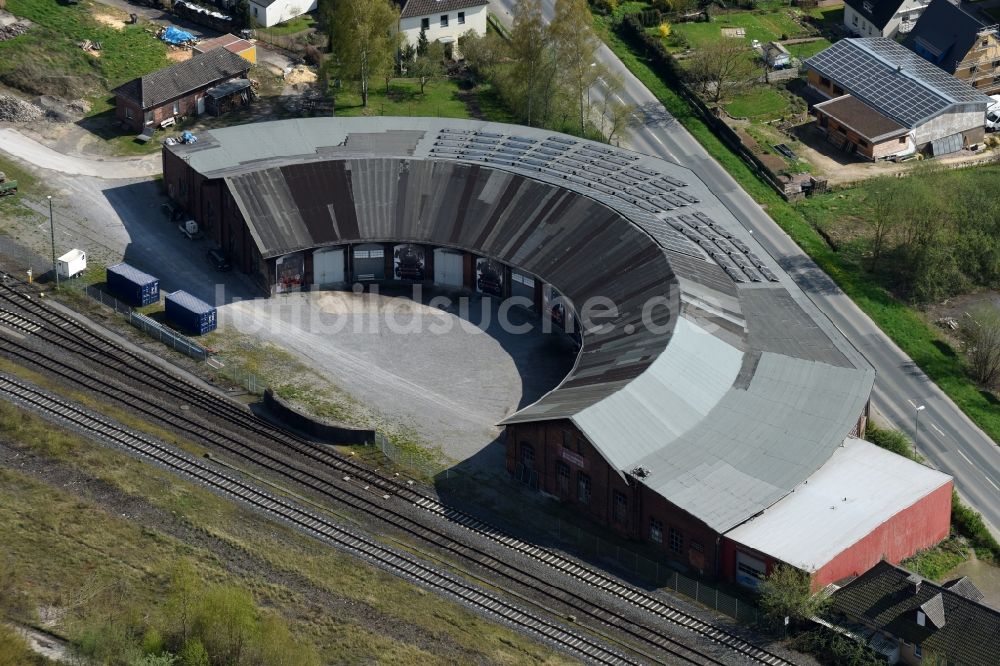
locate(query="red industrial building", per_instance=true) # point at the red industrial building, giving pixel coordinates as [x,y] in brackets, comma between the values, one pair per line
[714,411]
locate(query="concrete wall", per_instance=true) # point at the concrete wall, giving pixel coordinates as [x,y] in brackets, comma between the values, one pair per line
[970,122]
[475,19]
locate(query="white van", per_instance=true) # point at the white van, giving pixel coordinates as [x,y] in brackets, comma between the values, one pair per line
[993,114]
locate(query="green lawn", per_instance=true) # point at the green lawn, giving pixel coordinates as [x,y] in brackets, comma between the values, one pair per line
[808,49]
[290,27]
[764,27]
[47,59]
[441,98]
[757,102]
[899,322]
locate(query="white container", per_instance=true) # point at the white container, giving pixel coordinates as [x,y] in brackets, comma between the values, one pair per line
[72,263]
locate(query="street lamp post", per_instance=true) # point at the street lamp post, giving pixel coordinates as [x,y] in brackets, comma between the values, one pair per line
[916,428]
[52,231]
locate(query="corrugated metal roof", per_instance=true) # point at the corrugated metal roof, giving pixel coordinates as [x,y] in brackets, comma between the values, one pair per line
[132,273]
[838,505]
[189,302]
[745,392]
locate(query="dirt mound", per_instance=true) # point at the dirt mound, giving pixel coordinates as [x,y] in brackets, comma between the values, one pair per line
[13,109]
[13,30]
[301,74]
[109,20]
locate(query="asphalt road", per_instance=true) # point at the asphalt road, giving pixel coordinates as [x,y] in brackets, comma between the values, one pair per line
[947,438]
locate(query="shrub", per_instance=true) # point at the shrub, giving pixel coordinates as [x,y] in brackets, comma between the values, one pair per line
[664,30]
[831,648]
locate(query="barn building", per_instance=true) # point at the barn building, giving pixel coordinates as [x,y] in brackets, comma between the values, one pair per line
[711,408]
[891,89]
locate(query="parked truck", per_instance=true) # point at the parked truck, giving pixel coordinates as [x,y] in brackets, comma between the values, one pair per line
[71,264]
[7,186]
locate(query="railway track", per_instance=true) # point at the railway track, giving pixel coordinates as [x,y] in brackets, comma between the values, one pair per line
[316,526]
[34,318]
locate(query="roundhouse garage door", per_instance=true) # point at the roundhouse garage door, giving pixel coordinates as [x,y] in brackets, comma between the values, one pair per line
[523,285]
[328,266]
[369,263]
[448,268]
[749,570]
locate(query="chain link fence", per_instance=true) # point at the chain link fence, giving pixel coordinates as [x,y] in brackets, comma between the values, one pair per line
[17,260]
[237,375]
[573,538]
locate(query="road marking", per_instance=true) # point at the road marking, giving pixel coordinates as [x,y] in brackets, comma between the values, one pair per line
[912,403]
[985,475]
[938,429]
[990,481]
[966,458]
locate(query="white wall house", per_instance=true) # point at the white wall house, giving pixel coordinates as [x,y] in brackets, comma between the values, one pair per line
[442,20]
[268,13]
[882,18]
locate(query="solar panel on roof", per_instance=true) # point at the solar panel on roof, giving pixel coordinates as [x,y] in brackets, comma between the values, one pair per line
[564,140]
[555,146]
[522,139]
[491,135]
[673,181]
[645,171]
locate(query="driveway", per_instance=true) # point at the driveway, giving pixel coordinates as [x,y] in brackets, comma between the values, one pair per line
[28,150]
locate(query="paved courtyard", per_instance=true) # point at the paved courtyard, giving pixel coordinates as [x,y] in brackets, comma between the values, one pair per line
[424,363]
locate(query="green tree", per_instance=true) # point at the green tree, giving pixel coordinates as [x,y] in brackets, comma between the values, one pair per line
[890,440]
[193,654]
[576,46]
[428,65]
[532,69]
[243,15]
[364,39]
[980,334]
[226,622]
[14,651]
[786,593]
[614,113]
[422,42]
[484,54]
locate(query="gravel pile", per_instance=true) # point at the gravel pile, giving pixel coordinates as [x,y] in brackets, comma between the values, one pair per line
[13,30]
[17,110]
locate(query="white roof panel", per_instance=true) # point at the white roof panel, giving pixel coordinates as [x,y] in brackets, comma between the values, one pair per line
[860,487]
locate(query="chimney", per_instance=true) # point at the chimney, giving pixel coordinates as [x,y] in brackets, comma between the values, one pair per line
[913,583]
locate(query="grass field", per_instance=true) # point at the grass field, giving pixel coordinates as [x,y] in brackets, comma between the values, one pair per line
[757,102]
[764,27]
[89,549]
[48,60]
[901,323]
[807,49]
[440,98]
[290,27]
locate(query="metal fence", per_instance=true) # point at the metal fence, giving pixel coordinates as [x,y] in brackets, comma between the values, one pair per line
[237,375]
[574,538]
[150,326]
[16,260]
[660,574]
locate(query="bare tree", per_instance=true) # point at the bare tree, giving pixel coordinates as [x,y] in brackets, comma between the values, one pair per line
[428,65]
[884,216]
[576,46]
[532,62]
[720,69]
[980,331]
[614,112]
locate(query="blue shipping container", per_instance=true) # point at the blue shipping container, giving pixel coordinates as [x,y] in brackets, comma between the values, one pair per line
[132,285]
[192,315]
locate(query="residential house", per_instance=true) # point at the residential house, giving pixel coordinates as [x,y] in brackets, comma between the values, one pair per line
[882,18]
[895,87]
[442,20]
[915,621]
[178,90]
[958,43]
[269,13]
[231,43]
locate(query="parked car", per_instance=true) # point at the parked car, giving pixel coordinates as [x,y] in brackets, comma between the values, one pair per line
[219,259]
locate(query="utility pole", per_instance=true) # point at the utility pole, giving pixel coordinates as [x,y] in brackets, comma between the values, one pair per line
[916,428]
[52,230]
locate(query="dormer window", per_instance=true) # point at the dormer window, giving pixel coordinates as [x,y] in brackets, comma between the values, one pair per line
[921,619]
[869,6]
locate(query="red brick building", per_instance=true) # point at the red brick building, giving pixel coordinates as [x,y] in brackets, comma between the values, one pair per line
[710,406]
[178,90]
